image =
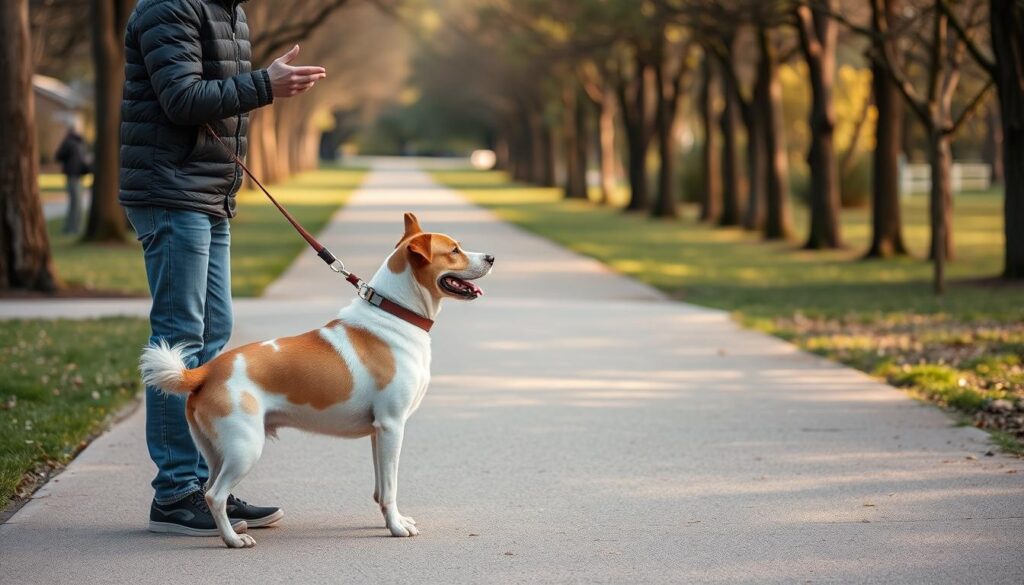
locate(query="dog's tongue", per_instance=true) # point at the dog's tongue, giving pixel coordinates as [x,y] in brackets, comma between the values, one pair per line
[473,287]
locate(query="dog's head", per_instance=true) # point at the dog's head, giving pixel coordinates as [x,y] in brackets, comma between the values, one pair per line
[438,263]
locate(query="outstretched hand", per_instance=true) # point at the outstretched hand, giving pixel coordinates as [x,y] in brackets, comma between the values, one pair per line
[288,81]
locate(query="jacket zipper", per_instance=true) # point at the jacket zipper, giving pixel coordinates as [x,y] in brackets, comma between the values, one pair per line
[238,118]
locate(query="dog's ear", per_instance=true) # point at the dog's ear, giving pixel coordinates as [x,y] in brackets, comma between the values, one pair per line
[412,226]
[420,246]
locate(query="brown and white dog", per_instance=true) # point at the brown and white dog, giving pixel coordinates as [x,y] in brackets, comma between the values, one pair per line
[362,374]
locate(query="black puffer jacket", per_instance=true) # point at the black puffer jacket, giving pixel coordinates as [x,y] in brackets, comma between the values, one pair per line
[187,65]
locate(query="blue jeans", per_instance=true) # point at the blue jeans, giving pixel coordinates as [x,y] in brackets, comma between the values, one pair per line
[188,264]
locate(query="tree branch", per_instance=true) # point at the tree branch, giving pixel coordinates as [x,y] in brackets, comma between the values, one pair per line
[970,109]
[986,63]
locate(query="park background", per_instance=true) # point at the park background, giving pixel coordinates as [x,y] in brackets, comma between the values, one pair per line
[844,175]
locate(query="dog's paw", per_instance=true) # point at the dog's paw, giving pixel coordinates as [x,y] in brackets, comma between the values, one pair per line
[401,526]
[241,541]
[408,521]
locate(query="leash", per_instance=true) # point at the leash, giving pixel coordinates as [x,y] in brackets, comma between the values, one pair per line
[363,290]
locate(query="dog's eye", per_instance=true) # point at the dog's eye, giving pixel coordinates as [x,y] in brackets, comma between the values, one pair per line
[455,250]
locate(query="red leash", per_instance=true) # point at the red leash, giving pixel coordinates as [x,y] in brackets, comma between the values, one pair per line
[364,290]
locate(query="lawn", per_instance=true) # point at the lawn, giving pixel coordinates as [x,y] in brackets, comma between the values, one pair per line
[57,392]
[963,350]
[263,244]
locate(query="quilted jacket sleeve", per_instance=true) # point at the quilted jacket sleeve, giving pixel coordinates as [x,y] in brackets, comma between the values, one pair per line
[168,34]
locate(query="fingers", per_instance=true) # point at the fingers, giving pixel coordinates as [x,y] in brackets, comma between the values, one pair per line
[303,79]
[309,70]
[290,55]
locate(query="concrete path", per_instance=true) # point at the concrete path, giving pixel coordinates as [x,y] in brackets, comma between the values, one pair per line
[579,429]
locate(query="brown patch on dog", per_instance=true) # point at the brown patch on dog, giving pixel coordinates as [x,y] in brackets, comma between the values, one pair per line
[212,400]
[374,354]
[306,370]
[249,404]
[397,262]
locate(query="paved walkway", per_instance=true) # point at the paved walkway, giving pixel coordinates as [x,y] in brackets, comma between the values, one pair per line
[579,429]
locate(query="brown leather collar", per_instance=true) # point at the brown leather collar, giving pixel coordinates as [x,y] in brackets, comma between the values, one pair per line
[368,294]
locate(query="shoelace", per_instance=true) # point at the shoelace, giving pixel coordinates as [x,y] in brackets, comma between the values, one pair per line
[199,501]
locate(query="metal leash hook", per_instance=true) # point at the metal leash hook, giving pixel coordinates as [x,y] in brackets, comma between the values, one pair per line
[333,262]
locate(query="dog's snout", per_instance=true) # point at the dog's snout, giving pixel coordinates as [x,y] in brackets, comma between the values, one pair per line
[489,259]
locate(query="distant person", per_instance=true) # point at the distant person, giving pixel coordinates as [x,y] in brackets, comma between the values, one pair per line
[75,163]
[187,66]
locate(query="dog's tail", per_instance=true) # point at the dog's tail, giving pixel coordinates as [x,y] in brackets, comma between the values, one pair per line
[163,367]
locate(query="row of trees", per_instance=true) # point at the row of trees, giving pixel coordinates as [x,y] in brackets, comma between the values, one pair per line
[47,36]
[549,73]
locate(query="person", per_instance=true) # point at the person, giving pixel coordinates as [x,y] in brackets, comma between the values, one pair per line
[187,65]
[73,156]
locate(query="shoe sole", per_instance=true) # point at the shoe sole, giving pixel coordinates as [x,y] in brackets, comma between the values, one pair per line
[172,528]
[264,521]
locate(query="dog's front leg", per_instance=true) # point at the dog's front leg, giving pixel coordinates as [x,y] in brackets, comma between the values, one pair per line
[389,448]
[376,467]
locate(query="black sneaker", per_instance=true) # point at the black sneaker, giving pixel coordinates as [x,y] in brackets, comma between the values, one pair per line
[254,516]
[189,515]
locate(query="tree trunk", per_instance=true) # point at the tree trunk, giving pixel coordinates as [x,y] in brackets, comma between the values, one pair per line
[940,205]
[573,140]
[1007,26]
[537,148]
[778,221]
[547,156]
[731,180]
[106,217]
[711,192]
[24,247]
[633,105]
[606,132]
[665,121]
[993,149]
[886,224]
[757,177]
[818,35]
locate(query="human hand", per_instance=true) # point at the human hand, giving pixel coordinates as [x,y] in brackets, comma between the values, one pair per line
[288,81]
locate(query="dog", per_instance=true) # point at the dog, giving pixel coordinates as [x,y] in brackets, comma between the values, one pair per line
[362,374]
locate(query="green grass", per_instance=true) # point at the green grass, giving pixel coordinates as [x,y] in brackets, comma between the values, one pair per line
[263,244]
[61,382]
[879,316]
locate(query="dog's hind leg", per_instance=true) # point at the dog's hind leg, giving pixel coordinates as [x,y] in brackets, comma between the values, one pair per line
[210,454]
[239,454]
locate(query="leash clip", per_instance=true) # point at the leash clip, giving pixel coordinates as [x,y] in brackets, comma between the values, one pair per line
[369,295]
[339,267]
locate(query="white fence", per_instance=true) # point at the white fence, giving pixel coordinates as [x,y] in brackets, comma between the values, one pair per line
[916,178]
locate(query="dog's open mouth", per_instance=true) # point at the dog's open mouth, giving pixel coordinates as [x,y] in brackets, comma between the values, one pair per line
[460,288]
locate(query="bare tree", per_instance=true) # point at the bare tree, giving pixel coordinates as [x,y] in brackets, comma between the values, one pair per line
[1006,67]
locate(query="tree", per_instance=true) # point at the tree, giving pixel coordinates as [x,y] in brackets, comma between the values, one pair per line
[818,39]
[106,222]
[934,109]
[670,72]
[778,224]
[886,224]
[711,166]
[1006,67]
[24,247]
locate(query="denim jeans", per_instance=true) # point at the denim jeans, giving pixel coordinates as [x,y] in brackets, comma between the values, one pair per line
[73,218]
[188,265]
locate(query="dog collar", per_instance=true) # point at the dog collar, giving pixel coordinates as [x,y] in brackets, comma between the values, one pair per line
[368,294]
